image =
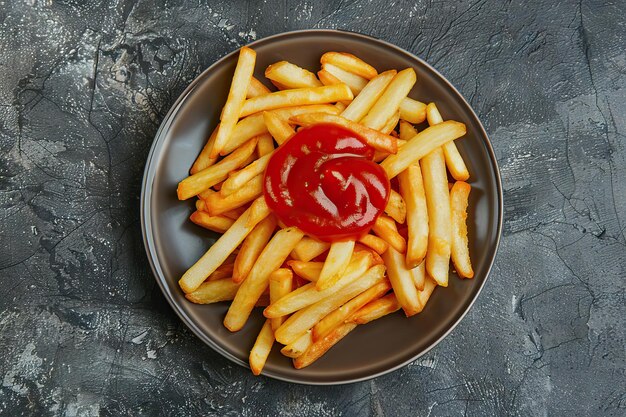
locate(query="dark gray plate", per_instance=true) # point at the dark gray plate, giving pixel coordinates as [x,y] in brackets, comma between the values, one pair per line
[173,243]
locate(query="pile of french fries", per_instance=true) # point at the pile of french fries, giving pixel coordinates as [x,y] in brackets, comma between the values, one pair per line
[315,292]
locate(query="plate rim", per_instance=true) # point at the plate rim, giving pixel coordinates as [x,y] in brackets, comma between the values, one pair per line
[148,181]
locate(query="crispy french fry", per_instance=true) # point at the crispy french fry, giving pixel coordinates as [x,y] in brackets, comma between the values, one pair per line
[234,213]
[297,97]
[306,318]
[262,348]
[309,248]
[224,246]
[335,265]
[307,270]
[340,106]
[379,245]
[208,177]
[299,346]
[421,145]
[317,349]
[213,292]
[369,95]
[412,111]
[391,124]
[385,228]
[218,204]
[376,309]
[412,189]
[396,207]
[238,179]
[355,82]
[454,160]
[256,88]
[219,224]
[224,271]
[438,205]
[373,137]
[402,282]
[325,326]
[253,286]
[407,131]
[424,295]
[459,196]
[389,102]
[291,76]
[252,247]
[265,145]
[327,78]
[308,294]
[281,282]
[278,127]
[350,63]
[204,160]
[419,276]
[236,99]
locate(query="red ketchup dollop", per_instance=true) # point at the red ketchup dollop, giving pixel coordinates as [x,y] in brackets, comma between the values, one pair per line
[323,180]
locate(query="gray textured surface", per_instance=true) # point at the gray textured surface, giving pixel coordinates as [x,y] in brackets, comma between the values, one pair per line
[84,328]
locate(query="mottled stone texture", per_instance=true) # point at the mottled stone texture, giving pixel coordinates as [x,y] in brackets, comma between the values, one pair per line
[86,331]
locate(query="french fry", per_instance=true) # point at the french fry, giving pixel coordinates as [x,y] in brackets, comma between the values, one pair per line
[385,228]
[262,348]
[297,97]
[355,82]
[256,88]
[317,349]
[350,63]
[389,102]
[224,246]
[307,270]
[454,160]
[235,213]
[324,326]
[340,106]
[236,99]
[376,309]
[372,137]
[208,177]
[327,78]
[281,282]
[224,271]
[308,294]
[412,111]
[396,207]
[376,259]
[218,204]
[402,282]
[213,292]
[252,247]
[309,248]
[265,145]
[369,95]
[238,179]
[219,224]
[291,76]
[419,276]
[278,127]
[306,318]
[299,346]
[204,160]
[412,189]
[253,286]
[459,196]
[438,205]
[379,245]
[424,295]
[335,265]
[421,145]
[391,124]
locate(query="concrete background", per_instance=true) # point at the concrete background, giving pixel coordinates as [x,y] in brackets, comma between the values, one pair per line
[86,331]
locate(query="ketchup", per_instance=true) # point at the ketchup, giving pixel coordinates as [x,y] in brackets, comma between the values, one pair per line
[323,181]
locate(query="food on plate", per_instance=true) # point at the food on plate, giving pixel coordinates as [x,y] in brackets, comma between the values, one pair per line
[333,201]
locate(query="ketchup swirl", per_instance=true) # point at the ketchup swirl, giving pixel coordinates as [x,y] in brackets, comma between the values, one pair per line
[323,181]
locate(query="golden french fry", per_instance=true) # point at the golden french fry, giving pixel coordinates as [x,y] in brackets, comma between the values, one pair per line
[379,245]
[372,137]
[424,295]
[438,205]
[391,124]
[422,144]
[208,177]
[236,99]
[235,213]
[355,82]
[265,145]
[375,310]
[262,348]
[325,326]
[454,160]
[257,280]
[256,88]
[281,282]
[219,224]
[224,271]
[307,270]
[306,318]
[278,127]
[340,106]
[224,246]
[412,189]
[335,265]
[407,131]
[299,346]
[402,282]
[238,179]
[389,102]
[291,76]
[385,228]
[396,207]
[309,248]
[459,196]
[252,247]
[217,204]
[204,160]
[412,111]
[419,276]
[317,349]
[213,292]
[369,95]
[297,97]
[327,78]
[308,294]
[350,63]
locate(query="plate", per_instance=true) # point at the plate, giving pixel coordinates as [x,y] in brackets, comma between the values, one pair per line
[173,243]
